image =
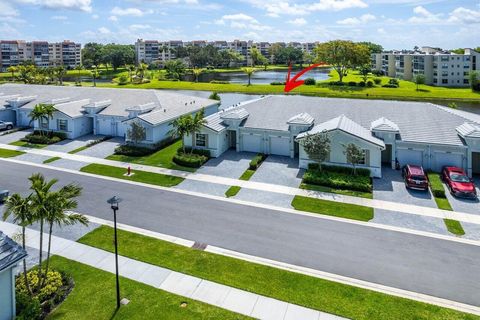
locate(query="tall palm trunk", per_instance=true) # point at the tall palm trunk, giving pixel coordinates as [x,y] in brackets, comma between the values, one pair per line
[27,284]
[47,263]
[40,256]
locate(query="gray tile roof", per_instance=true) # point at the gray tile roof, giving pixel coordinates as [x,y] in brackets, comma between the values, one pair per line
[417,121]
[234,113]
[301,119]
[215,122]
[468,130]
[121,99]
[383,124]
[345,124]
[73,109]
[10,252]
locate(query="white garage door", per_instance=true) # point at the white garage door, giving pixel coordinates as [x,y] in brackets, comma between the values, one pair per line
[407,156]
[280,146]
[441,159]
[252,143]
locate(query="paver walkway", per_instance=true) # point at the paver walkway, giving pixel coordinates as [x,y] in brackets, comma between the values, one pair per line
[376,204]
[222,296]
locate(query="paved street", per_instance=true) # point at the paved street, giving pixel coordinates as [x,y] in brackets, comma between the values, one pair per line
[436,267]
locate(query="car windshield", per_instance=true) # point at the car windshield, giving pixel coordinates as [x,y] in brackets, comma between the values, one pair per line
[456,177]
[418,178]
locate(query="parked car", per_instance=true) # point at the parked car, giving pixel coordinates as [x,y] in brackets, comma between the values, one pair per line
[458,183]
[3,195]
[415,177]
[6,125]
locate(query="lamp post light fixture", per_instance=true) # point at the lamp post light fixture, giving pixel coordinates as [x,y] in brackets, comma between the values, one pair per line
[114,201]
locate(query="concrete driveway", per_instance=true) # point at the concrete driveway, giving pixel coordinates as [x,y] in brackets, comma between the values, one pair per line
[392,188]
[70,145]
[103,149]
[274,170]
[15,136]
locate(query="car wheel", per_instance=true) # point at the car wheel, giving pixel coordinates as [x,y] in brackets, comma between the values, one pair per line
[9,127]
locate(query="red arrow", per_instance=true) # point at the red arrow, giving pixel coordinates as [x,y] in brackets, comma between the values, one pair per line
[293,83]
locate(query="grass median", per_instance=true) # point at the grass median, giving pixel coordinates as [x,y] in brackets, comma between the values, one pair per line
[232,191]
[138,176]
[311,292]
[93,297]
[366,195]
[51,160]
[26,144]
[5,153]
[332,208]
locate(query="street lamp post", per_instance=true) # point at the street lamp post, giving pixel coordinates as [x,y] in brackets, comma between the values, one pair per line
[114,201]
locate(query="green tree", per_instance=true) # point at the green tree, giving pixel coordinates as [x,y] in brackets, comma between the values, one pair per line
[141,69]
[12,70]
[175,69]
[136,132]
[354,155]
[60,73]
[474,80]
[95,74]
[130,68]
[249,72]
[341,55]
[117,55]
[419,79]
[92,54]
[79,69]
[181,127]
[372,47]
[41,112]
[317,147]
[215,96]
[21,210]
[26,73]
[196,124]
[196,73]
[256,56]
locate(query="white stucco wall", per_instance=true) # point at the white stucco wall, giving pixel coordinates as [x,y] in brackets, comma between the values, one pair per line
[217,142]
[7,294]
[8,116]
[104,125]
[337,157]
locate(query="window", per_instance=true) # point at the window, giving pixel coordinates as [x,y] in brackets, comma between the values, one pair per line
[445,81]
[62,125]
[200,140]
[365,160]
[44,123]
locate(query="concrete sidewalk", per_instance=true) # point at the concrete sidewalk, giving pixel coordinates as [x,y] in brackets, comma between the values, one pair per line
[376,204]
[243,302]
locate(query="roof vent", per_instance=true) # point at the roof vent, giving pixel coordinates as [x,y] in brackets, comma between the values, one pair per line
[383,124]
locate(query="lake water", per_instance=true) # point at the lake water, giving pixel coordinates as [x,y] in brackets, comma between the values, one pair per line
[230,99]
[259,77]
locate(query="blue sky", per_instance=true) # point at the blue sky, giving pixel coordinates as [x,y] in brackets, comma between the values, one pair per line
[393,23]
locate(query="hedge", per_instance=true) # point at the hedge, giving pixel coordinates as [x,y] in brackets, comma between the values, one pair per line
[436,185]
[310,82]
[50,134]
[41,139]
[200,152]
[257,161]
[133,151]
[189,160]
[340,169]
[338,180]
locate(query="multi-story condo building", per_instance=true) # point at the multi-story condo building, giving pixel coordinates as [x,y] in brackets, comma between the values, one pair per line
[153,51]
[440,68]
[41,53]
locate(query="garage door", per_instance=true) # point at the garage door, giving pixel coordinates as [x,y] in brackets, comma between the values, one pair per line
[441,159]
[252,143]
[407,156]
[280,146]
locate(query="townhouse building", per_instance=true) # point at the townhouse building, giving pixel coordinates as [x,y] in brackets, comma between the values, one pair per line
[41,53]
[440,67]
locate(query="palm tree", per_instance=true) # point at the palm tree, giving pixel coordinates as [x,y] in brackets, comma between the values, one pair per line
[198,120]
[180,127]
[40,205]
[21,210]
[13,70]
[196,73]
[130,68]
[79,68]
[249,72]
[59,204]
[41,112]
[141,68]
[60,73]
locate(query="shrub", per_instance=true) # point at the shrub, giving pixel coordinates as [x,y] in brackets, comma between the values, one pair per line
[377,81]
[200,152]
[219,82]
[346,170]
[389,86]
[436,185]
[277,83]
[394,82]
[123,80]
[336,83]
[133,151]
[189,160]
[377,73]
[28,308]
[257,161]
[310,82]
[352,84]
[52,284]
[361,84]
[338,180]
[36,139]
[55,140]
[369,83]
[214,96]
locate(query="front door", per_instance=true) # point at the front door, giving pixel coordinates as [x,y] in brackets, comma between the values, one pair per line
[476,162]
[232,139]
[387,155]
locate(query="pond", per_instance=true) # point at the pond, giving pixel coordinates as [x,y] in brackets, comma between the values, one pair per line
[259,77]
[230,99]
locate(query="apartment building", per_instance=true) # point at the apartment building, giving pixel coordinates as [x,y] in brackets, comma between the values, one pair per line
[41,53]
[150,51]
[440,67]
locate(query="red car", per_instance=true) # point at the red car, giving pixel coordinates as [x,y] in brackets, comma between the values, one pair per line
[415,177]
[459,184]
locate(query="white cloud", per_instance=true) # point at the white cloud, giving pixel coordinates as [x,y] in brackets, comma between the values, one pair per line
[423,16]
[275,8]
[337,5]
[113,18]
[466,16]
[104,30]
[357,21]
[81,5]
[59,18]
[140,26]
[6,10]
[95,16]
[381,31]
[242,21]
[134,12]
[298,22]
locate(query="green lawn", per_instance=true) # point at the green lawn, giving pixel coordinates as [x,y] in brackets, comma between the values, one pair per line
[26,144]
[162,158]
[367,195]
[51,160]
[315,293]
[5,153]
[93,297]
[78,150]
[331,208]
[247,175]
[139,176]
[232,191]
